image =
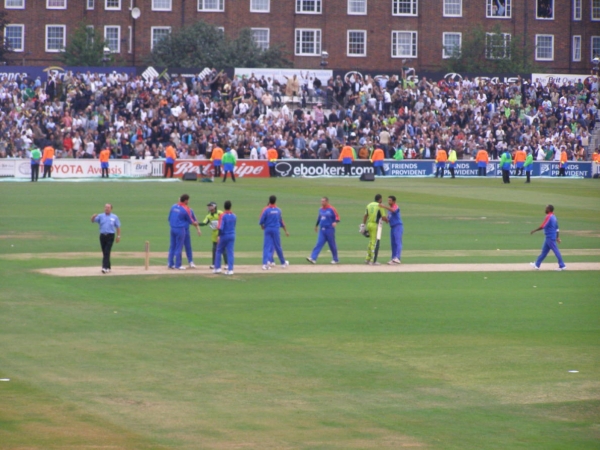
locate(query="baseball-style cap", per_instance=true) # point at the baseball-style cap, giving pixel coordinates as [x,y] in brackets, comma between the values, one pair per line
[212,204]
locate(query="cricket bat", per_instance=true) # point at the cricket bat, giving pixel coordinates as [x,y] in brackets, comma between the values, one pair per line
[379,229]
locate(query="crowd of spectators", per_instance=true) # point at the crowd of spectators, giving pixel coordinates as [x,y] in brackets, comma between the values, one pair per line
[303,117]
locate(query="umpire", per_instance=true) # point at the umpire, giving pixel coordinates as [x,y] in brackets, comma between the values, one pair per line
[109,226]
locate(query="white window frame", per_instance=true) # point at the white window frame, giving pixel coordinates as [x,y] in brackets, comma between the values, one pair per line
[169,8]
[446,4]
[220,7]
[22,26]
[507,6]
[576,48]
[577,9]
[414,37]
[221,29]
[444,46]
[90,4]
[118,27]
[537,36]
[506,40]
[354,13]
[64,39]
[130,39]
[264,11]
[553,10]
[592,47]
[152,30]
[356,55]
[414,6]
[112,8]
[318,6]
[318,42]
[595,8]
[268,30]
[8,6]
[56,7]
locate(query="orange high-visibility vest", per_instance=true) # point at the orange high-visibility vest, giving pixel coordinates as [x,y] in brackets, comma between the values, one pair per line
[482,156]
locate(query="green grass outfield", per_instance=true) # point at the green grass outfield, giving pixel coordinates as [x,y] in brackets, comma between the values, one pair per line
[322,361]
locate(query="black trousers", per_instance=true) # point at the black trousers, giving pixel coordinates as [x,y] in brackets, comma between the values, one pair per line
[106,243]
[105,172]
[505,176]
[168,168]
[528,173]
[47,171]
[481,171]
[214,251]
[347,169]
[225,176]
[272,172]
[35,172]
[451,169]
[439,172]
[561,171]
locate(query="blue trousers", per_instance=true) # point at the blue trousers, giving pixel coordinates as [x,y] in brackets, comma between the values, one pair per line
[225,245]
[272,243]
[187,244]
[176,246]
[325,235]
[379,169]
[396,240]
[550,244]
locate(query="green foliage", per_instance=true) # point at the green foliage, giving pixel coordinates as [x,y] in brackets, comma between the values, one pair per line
[85,47]
[203,45]
[486,50]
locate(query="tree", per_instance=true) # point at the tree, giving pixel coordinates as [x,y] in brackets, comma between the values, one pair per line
[203,45]
[85,47]
[5,49]
[490,51]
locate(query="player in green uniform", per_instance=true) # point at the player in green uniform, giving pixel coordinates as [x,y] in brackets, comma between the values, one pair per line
[212,220]
[371,219]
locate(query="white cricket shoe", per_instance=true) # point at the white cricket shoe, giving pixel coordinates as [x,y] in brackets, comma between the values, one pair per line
[192,265]
[107,270]
[103,270]
[229,272]
[374,264]
[532,264]
[180,268]
[266,267]
[310,260]
[396,261]
[272,264]
[217,271]
[335,262]
[560,269]
[285,264]
[211,267]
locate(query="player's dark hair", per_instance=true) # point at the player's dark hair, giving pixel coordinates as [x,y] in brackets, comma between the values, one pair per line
[378,197]
[184,197]
[393,197]
[227,205]
[550,208]
[272,200]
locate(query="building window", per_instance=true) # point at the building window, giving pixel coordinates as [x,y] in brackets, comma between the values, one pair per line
[497,45]
[308,42]
[498,9]
[112,5]
[595,9]
[56,4]
[357,7]
[544,47]
[576,48]
[577,9]
[261,37]
[13,34]
[595,47]
[357,43]
[309,6]
[404,7]
[89,34]
[130,39]
[452,45]
[14,4]
[112,36]
[162,5]
[55,38]
[89,4]
[452,8]
[545,9]
[404,44]
[260,6]
[158,34]
[211,5]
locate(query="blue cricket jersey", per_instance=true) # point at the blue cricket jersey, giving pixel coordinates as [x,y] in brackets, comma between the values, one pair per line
[271,218]
[550,226]
[394,216]
[227,222]
[327,217]
[179,216]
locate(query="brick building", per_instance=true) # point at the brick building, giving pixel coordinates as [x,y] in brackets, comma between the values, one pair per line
[357,34]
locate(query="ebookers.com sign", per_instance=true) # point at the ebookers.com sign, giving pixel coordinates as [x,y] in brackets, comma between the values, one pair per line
[245,168]
[319,168]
